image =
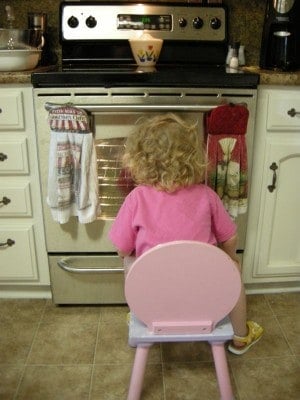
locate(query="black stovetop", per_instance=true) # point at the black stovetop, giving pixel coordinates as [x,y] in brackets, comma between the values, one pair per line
[159,76]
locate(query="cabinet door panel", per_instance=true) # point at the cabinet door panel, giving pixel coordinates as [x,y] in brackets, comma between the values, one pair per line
[284,112]
[18,261]
[13,158]
[15,199]
[11,106]
[279,239]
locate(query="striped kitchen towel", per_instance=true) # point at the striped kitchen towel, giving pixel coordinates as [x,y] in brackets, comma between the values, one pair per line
[72,175]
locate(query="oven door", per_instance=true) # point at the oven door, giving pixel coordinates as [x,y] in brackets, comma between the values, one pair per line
[114,112]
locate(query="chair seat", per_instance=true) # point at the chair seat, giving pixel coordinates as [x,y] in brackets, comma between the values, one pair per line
[140,333]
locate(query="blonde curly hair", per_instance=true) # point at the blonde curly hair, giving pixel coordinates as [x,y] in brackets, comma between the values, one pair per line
[165,152]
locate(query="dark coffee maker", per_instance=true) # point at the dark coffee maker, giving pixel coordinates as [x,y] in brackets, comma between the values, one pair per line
[280,45]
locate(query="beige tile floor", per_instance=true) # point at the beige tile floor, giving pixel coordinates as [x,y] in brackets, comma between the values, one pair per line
[81,353]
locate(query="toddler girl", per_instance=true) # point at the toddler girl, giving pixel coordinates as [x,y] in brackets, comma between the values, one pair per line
[165,158]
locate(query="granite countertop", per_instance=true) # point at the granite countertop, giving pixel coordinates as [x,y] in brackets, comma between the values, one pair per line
[266,77]
[20,77]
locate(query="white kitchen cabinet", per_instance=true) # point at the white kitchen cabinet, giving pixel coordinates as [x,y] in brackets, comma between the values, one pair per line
[23,256]
[13,155]
[18,261]
[12,111]
[273,235]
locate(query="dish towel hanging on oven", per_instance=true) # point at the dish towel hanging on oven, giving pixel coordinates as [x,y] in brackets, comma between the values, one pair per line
[72,177]
[227,173]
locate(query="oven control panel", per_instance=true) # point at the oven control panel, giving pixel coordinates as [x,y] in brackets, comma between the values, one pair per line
[153,22]
[96,21]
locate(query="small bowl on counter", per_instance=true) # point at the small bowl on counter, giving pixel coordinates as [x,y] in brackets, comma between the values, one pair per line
[19,60]
[20,49]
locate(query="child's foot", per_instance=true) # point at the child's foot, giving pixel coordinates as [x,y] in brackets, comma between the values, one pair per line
[240,344]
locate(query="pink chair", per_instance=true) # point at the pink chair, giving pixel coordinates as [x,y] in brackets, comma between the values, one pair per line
[181,291]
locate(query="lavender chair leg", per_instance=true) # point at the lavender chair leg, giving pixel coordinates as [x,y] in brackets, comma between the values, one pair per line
[138,372]
[222,371]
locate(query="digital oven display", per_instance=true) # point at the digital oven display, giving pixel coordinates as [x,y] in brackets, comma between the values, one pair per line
[141,22]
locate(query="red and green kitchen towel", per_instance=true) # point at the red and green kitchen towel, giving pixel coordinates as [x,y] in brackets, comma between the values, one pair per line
[227,173]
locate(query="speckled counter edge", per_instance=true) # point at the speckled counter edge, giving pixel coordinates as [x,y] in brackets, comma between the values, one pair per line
[266,77]
[21,77]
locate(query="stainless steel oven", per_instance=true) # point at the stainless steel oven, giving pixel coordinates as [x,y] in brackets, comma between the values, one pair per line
[84,267]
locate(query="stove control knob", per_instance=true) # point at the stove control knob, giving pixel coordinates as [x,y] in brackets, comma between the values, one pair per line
[91,22]
[215,23]
[73,22]
[197,23]
[182,22]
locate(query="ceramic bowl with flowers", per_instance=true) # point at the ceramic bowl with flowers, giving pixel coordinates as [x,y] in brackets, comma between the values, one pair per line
[146,50]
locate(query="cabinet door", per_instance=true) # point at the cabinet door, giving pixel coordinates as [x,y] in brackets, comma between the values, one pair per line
[13,156]
[278,244]
[11,110]
[17,252]
[15,198]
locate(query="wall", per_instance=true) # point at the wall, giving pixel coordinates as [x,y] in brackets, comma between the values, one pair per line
[245,22]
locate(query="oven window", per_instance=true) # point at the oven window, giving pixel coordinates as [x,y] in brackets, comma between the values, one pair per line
[114,182]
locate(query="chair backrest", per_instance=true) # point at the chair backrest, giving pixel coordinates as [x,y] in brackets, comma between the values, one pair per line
[182,287]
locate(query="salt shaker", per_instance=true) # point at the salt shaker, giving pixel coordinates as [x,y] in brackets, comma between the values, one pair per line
[229,55]
[234,61]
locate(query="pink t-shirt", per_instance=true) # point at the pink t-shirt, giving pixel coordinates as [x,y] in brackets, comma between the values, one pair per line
[149,217]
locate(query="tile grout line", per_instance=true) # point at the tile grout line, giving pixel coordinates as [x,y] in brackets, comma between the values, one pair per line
[281,329]
[29,352]
[94,358]
[162,371]
[285,337]
[269,305]
[234,379]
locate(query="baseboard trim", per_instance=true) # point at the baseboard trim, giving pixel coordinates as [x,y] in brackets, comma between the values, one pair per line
[272,287]
[25,292]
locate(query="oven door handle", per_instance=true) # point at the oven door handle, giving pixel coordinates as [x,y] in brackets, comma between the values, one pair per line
[64,264]
[94,108]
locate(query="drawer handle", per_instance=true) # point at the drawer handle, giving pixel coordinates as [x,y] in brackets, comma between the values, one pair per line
[273,167]
[8,243]
[5,201]
[65,264]
[3,157]
[292,112]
